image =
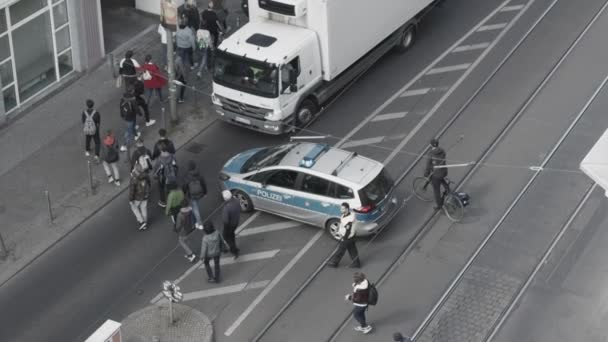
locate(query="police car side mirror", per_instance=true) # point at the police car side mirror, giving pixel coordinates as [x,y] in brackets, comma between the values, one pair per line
[264,184]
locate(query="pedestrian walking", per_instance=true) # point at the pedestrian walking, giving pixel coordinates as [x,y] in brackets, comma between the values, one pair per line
[142,157]
[175,198]
[210,22]
[127,112]
[192,16]
[138,91]
[184,225]
[347,239]
[163,41]
[185,41]
[163,141]
[231,213]
[211,249]
[139,192]
[180,75]
[110,158]
[359,297]
[205,46]
[165,169]
[154,80]
[90,126]
[127,68]
[436,157]
[195,189]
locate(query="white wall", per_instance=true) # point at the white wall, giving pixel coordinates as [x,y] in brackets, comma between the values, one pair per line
[152,6]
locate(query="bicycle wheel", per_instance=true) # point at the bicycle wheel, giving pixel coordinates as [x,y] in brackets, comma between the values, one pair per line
[423,189]
[453,208]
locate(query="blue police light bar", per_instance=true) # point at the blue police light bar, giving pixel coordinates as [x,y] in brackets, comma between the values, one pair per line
[309,159]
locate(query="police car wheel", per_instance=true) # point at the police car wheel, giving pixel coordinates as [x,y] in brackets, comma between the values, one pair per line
[332,226]
[244,201]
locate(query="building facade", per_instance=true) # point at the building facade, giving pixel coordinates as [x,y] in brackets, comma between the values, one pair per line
[43,42]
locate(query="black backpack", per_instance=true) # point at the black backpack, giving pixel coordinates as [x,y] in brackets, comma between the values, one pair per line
[126,108]
[372,297]
[197,189]
[128,68]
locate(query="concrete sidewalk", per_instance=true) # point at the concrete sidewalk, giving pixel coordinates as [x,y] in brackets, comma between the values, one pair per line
[44,151]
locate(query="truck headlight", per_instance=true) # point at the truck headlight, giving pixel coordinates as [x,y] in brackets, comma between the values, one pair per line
[272,126]
[269,116]
[216,100]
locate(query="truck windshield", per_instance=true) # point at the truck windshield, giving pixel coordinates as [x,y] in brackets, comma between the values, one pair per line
[254,77]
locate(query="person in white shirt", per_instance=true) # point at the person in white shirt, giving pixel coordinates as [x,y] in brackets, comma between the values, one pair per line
[347,240]
[163,40]
[128,70]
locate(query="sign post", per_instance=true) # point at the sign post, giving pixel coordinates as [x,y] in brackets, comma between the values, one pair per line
[173,293]
[169,20]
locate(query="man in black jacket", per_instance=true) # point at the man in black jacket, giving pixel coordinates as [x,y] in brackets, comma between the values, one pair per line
[195,189]
[163,140]
[128,107]
[436,159]
[231,214]
[211,23]
[91,121]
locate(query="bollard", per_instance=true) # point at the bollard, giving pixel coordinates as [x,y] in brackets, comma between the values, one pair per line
[90,176]
[4,250]
[48,202]
[195,97]
[238,22]
[163,117]
[171,320]
[112,66]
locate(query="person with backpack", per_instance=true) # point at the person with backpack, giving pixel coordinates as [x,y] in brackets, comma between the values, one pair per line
[127,68]
[154,80]
[142,157]
[231,213]
[195,189]
[128,113]
[205,46]
[166,173]
[138,91]
[184,225]
[211,249]
[163,140]
[139,192]
[347,239]
[436,157]
[360,299]
[90,121]
[175,197]
[110,158]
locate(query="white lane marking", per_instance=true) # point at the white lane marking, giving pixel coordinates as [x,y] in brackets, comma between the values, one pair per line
[454,86]
[248,257]
[247,222]
[225,290]
[199,263]
[512,8]
[492,27]
[416,92]
[273,283]
[472,47]
[449,69]
[390,116]
[419,76]
[270,228]
[362,142]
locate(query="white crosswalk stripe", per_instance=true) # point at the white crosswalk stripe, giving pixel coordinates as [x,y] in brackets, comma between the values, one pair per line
[512,8]
[449,69]
[491,27]
[362,142]
[269,228]
[389,116]
[415,92]
[472,47]
[218,291]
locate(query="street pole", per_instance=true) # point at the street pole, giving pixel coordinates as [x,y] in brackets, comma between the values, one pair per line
[172,86]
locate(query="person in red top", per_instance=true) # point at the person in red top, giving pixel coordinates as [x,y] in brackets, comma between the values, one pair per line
[156,81]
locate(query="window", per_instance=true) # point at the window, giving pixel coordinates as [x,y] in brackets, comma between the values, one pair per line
[315,185]
[6,73]
[60,14]
[259,177]
[63,39]
[374,192]
[10,100]
[3,25]
[340,191]
[5,51]
[24,8]
[293,65]
[65,63]
[284,179]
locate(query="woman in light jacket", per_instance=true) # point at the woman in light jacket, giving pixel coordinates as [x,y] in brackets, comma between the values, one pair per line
[211,248]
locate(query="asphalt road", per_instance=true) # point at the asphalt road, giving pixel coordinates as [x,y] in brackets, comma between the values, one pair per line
[107,269]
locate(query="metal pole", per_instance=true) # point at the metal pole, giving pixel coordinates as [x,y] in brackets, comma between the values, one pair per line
[90,175]
[171,321]
[172,86]
[163,117]
[48,202]
[4,250]
[112,66]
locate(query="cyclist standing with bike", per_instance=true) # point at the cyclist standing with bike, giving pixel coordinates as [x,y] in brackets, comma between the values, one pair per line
[436,157]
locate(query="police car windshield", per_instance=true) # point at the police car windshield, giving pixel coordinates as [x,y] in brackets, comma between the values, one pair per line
[267,157]
[374,192]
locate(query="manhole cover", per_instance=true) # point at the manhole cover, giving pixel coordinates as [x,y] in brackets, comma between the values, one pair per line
[195,148]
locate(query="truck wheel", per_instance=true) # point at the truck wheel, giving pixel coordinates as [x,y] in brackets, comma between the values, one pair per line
[407,39]
[306,112]
[244,201]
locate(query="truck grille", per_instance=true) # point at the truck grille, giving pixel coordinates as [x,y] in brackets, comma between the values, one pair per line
[243,109]
[277,7]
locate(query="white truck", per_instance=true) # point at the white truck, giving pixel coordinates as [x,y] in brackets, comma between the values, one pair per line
[278,71]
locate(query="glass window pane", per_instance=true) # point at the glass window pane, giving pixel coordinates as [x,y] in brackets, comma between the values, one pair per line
[315,185]
[65,63]
[10,100]
[33,55]
[24,8]
[6,73]
[63,39]
[60,14]
[5,50]
[3,24]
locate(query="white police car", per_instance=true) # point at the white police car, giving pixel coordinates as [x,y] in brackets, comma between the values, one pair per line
[308,182]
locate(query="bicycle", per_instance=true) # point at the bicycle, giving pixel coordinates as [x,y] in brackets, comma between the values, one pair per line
[452,203]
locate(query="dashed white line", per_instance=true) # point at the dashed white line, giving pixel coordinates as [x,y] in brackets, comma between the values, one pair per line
[249,257]
[362,142]
[389,116]
[247,222]
[512,8]
[269,228]
[415,92]
[492,27]
[273,283]
[449,69]
[218,291]
[472,47]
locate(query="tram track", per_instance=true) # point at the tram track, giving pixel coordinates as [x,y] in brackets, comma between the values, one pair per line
[428,223]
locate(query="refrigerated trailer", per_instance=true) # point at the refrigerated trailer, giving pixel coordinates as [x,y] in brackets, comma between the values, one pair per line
[278,71]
